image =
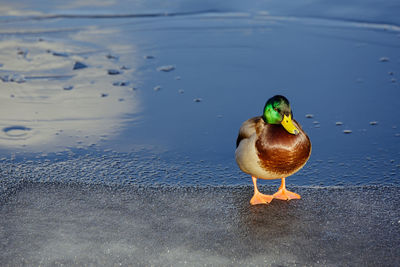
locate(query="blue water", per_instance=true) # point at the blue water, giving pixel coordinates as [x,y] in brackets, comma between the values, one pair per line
[142,125]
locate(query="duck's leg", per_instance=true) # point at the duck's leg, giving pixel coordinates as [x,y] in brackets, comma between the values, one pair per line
[284,194]
[259,198]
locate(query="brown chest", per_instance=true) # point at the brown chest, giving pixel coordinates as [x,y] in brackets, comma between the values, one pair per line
[282,152]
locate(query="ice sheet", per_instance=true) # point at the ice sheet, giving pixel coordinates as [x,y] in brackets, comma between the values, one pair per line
[75,225]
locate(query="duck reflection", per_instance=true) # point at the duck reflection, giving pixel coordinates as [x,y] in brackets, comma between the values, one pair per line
[265,223]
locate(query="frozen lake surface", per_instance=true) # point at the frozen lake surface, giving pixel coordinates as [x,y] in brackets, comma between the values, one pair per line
[75,225]
[108,107]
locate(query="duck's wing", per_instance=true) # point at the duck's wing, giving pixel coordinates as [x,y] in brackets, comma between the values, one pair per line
[248,128]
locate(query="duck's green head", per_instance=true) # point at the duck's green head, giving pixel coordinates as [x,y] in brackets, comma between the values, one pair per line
[277,111]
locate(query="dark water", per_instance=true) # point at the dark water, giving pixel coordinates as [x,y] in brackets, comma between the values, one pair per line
[152,94]
[178,83]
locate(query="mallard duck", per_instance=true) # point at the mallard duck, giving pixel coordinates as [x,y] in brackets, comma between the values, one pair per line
[272,146]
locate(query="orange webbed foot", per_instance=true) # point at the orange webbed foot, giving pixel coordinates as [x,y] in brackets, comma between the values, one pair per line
[259,198]
[284,194]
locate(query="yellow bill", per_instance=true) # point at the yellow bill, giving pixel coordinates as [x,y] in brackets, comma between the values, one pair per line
[287,123]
